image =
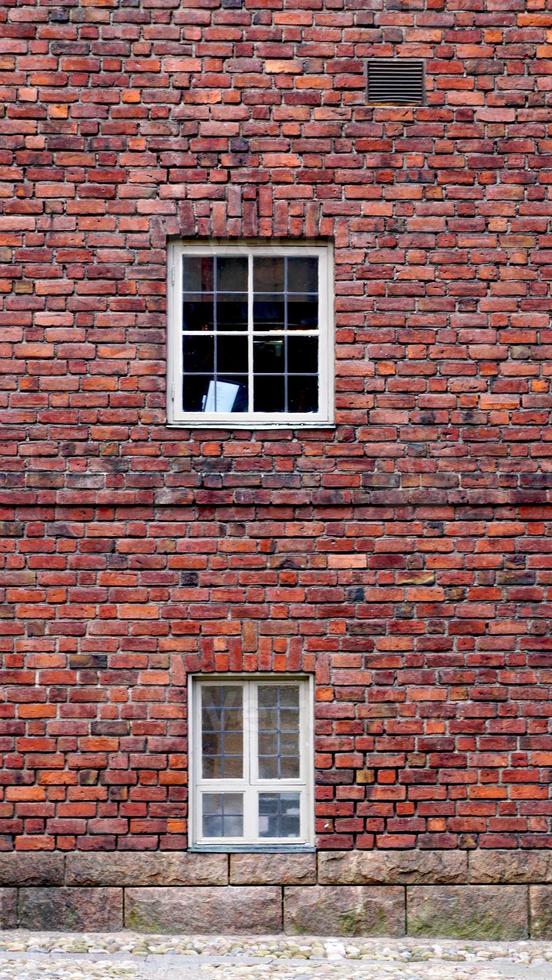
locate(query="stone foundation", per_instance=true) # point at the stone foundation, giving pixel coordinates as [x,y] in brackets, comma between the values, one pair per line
[467,895]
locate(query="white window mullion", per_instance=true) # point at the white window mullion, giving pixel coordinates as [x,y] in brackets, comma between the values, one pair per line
[250,325]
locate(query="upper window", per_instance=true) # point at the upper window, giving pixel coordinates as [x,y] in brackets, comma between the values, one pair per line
[250,335]
[251,763]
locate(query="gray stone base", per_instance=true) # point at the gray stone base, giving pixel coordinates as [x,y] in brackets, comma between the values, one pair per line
[465,895]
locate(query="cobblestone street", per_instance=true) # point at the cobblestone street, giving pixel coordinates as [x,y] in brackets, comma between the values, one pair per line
[94,956]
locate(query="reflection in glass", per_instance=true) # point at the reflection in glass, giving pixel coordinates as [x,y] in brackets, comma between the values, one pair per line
[279,815]
[302,274]
[198,312]
[223,815]
[278,727]
[268,274]
[197,273]
[222,731]
[268,355]
[232,273]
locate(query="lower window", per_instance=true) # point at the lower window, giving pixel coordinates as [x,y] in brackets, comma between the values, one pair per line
[251,762]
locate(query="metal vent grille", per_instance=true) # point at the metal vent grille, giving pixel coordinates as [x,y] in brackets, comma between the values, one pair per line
[396,81]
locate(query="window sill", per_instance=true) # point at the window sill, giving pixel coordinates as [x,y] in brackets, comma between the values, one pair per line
[251,425]
[252,849]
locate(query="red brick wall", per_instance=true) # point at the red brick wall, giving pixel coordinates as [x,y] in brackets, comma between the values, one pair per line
[404,556]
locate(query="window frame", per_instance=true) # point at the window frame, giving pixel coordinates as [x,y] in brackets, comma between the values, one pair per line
[326,333]
[250,784]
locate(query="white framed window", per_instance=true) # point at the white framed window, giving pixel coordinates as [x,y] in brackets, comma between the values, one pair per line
[251,761]
[250,335]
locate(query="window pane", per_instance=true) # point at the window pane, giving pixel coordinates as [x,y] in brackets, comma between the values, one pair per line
[231,355]
[197,273]
[268,355]
[279,815]
[194,392]
[232,273]
[302,394]
[302,312]
[222,732]
[278,726]
[269,312]
[268,275]
[222,814]
[198,312]
[231,311]
[302,275]
[269,393]
[198,354]
[302,353]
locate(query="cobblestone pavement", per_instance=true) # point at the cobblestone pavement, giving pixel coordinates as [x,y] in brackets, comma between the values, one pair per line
[133,956]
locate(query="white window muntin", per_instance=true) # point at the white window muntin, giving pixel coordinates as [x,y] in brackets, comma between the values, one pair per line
[325,333]
[251,785]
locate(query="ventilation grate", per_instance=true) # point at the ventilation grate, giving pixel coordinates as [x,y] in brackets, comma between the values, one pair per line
[396,81]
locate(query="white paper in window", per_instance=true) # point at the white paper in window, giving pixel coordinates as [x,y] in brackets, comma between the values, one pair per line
[226,394]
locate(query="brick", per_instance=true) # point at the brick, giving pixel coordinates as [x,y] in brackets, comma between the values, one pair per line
[468,911]
[204,910]
[344,910]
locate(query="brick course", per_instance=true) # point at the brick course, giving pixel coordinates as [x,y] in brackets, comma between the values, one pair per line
[402,557]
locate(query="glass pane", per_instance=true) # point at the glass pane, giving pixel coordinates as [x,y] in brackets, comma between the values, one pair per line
[268,275]
[197,273]
[302,355]
[278,727]
[231,394]
[198,354]
[194,392]
[222,814]
[222,732]
[302,394]
[269,393]
[303,312]
[198,312]
[302,275]
[279,815]
[231,311]
[269,313]
[232,273]
[231,355]
[268,355]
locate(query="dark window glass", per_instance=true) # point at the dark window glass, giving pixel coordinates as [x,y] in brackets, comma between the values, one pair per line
[302,312]
[231,311]
[302,355]
[268,355]
[279,814]
[231,274]
[302,393]
[197,273]
[270,393]
[198,312]
[198,354]
[302,275]
[268,274]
